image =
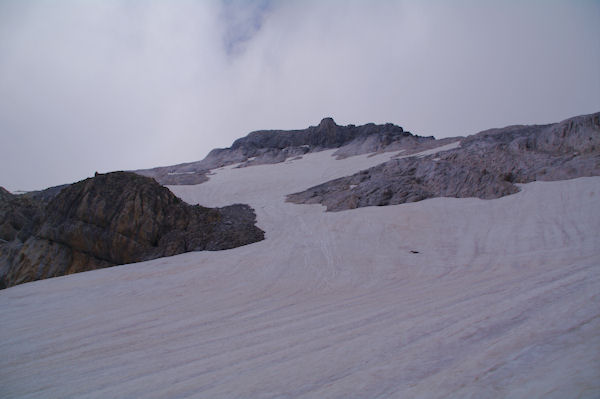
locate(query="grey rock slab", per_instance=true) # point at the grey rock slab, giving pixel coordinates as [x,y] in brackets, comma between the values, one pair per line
[486,165]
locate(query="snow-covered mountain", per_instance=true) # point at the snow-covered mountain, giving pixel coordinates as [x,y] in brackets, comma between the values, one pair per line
[444,297]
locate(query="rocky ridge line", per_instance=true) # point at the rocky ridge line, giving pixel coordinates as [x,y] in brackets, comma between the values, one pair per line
[274,146]
[486,165]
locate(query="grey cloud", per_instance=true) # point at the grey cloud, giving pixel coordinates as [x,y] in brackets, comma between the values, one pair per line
[241,20]
[88,86]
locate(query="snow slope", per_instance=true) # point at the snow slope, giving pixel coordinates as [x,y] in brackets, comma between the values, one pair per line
[501,300]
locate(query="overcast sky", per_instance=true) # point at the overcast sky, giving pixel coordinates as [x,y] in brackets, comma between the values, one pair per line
[109,85]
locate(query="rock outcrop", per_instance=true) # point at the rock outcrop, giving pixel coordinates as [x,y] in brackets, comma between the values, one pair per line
[45,195]
[20,216]
[487,165]
[274,146]
[111,219]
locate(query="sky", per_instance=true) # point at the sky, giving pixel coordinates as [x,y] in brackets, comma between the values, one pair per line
[108,85]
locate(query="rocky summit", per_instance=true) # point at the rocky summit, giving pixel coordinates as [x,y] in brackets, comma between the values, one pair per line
[275,146]
[110,219]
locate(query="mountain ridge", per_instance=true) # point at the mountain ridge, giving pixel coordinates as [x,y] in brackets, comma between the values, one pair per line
[274,146]
[486,165]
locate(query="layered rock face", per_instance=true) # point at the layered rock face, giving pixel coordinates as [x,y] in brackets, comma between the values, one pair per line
[274,146]
[487,165]
[111,219]
[19,216]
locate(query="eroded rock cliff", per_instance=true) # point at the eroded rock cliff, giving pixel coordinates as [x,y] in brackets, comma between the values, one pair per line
[111,219]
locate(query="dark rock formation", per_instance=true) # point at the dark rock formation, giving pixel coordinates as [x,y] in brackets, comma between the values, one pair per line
[274,146]
[485,166]
[326,135]
[19,216]
[107,220]
[45,195]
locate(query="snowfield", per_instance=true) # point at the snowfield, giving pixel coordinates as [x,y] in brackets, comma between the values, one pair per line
[444,298]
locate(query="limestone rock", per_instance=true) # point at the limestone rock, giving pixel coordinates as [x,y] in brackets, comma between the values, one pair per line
[274,146]
[117,218]
[487,165]
[19,216]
